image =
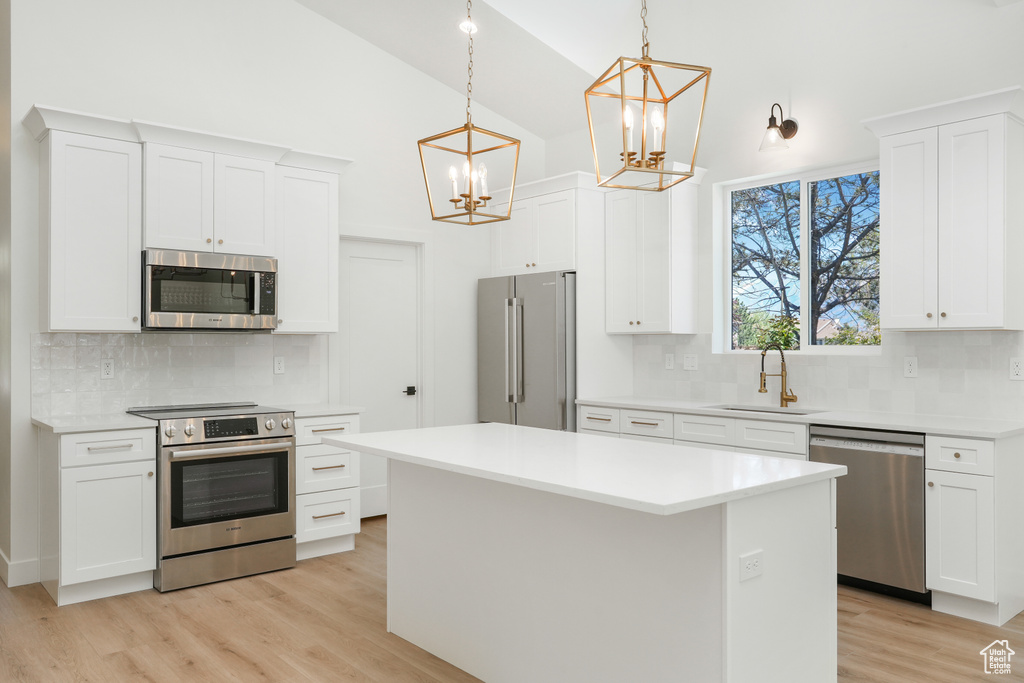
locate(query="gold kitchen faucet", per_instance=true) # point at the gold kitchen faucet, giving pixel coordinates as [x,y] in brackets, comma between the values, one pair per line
[785,396]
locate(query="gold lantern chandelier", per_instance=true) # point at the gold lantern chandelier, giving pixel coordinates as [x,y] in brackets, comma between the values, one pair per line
[464,163]
[630,119]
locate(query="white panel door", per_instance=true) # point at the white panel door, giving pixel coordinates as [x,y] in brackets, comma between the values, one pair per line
[95,233]
[380,348]
[620,261]
[654,266]
[960,534]
[179,198]
[556,231]
[971,223]
[243,206]
[909,230]
[513,242]
[307,252]
[107,521]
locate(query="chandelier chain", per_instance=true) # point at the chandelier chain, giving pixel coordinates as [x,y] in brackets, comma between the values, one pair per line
[643,18]
[469,81]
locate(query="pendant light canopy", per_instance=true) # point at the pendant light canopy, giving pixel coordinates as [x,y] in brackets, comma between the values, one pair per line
[462,165]
[630,120]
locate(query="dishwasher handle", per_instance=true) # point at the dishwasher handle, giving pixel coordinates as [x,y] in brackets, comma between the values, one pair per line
[867,446]
[867,435]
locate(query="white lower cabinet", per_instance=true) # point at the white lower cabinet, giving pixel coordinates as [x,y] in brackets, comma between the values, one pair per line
[97,530]
[757,437]
[326,487]
[960,534]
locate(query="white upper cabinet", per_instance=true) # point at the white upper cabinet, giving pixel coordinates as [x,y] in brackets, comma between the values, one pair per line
[651,260]
[540,236]
[307,250]
[950,216]
[92,218]
[179,198]
[205,201]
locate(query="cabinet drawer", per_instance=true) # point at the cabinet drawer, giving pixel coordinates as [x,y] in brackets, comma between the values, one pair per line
[323,468]
[599,419]
[309,430]
[646,423]
[959,455]
[770,436]
[704,429]
[99,448]
[326,514]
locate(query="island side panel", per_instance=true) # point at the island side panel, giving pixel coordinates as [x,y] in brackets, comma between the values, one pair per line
[513,584]
[781,625]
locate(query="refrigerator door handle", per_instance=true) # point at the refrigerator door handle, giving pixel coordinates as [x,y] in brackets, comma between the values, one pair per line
[518,359]
[510,348]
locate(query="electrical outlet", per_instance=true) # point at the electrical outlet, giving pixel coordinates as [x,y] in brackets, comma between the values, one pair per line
[670,361]
[910,366]
[1016,369]
[278,365]
[751,565]
[106,369]
[690,361]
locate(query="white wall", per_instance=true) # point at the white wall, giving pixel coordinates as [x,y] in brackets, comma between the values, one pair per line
[266,70]
[830,65]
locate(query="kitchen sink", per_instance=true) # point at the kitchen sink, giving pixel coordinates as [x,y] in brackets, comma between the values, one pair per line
[766,409]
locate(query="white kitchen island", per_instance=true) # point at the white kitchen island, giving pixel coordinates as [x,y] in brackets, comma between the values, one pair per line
[521,554]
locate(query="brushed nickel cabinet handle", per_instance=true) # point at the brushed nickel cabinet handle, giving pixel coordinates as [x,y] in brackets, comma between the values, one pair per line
[329,467]
[646,424]
[115,447]
[333,514]
[329,429]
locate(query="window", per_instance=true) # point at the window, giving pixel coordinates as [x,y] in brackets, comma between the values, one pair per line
[802,261]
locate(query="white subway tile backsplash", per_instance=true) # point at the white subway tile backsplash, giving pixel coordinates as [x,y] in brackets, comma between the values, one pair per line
[960,373]
[169,368]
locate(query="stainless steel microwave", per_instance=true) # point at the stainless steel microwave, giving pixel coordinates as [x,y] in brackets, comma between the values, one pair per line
[199,290]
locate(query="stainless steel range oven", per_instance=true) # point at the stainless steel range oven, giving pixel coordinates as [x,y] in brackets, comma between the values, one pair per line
[225,492]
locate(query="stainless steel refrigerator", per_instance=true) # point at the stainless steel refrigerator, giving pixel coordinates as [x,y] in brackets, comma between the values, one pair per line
[526,350]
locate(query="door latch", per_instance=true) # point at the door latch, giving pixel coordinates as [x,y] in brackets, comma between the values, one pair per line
[409,391]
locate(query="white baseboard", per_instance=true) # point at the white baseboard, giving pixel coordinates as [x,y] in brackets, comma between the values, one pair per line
[18,573]
[324,546]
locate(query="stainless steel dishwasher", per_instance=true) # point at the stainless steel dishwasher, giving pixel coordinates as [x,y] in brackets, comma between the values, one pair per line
[879,506]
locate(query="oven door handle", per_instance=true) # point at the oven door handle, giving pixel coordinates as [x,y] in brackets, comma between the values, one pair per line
[230,450]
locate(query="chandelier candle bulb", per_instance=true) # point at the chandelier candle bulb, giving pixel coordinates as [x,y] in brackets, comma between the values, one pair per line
[627,119]
[482,172]
[454,176]
[658,124]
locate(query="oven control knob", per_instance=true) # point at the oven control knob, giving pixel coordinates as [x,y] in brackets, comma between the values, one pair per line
[170,431]
[286,423]
[271,424]
[190,430]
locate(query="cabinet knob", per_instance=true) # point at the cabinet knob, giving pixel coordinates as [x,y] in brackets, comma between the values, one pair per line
[956,455]
[929,315]
[931,483]
[943,314]
[630,322]
[135,318]
[210,239]
[149,474]
[220,241]
[279,321]
[534,265]
[637,322]
[527,265]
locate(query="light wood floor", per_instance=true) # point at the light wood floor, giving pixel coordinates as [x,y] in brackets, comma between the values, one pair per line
[325,621]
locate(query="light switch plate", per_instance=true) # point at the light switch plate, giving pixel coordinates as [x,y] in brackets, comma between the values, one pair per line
[690,361]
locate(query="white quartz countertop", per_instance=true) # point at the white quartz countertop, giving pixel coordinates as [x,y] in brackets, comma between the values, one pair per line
[656,478]
[936,425]
[104,422]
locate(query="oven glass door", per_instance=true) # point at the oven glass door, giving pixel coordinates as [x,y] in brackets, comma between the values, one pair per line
[208,490]
[176,289]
